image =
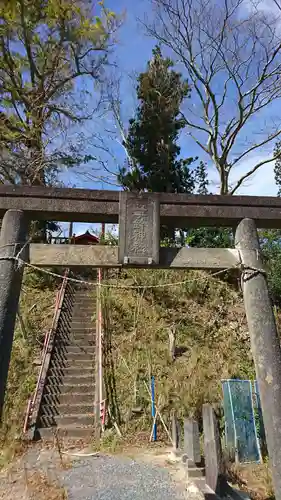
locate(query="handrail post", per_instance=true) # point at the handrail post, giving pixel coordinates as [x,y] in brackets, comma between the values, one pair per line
[99,375]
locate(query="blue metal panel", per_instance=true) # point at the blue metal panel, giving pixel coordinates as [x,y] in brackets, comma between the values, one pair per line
[240,421]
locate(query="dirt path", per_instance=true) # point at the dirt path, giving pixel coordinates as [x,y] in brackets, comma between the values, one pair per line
[41,474]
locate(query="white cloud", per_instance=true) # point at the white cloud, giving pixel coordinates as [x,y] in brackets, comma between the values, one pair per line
[262,183]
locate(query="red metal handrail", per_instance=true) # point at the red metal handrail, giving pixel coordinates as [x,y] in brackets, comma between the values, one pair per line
[48,337]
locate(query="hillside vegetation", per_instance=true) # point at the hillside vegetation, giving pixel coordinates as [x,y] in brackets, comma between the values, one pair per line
[212,342]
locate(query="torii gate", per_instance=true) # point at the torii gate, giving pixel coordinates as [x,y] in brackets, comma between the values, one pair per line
[139,217]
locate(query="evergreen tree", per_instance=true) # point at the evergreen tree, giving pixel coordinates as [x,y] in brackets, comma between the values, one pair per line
[152,146]
[153,134]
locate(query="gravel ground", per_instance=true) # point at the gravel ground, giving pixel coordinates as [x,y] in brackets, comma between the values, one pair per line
[116,478]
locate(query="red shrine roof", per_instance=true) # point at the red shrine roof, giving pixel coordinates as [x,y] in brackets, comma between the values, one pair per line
[90,238]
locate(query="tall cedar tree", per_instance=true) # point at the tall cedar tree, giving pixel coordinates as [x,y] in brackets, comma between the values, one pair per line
[152,136]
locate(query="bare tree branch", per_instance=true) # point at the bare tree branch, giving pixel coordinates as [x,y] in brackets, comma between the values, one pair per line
[252,171]
[113,92]
[231,52]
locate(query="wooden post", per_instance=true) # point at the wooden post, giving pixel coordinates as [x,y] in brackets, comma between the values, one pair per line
[172,341]
[264,341]
[13,237]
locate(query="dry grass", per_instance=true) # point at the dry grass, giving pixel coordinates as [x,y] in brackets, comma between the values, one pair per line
[34,476]
[40,486]
[255,479]
[212,342]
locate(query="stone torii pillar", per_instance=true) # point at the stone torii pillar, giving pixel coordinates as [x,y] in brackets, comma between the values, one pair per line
[265,341]
[13,237]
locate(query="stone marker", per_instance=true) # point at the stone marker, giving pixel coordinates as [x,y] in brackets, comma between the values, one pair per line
[214,465]
[139,229]
[192,440]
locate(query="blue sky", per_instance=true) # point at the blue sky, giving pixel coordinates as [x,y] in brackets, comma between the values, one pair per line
[132,52]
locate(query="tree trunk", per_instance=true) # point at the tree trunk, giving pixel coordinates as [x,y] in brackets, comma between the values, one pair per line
[224,187]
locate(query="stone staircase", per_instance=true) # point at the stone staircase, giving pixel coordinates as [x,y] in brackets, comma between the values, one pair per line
[67,404]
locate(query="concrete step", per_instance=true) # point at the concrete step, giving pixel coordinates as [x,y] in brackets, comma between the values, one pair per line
[52,390]
[86,341]
[47,421]
[66,399]
[83,316]
[85,324]
[82,305]
[49,410]
[74,339]
[53,386]
[76,419]
[87,293]
[79,349]
[63,341]
[81,327]
[79,420]
[82,319]
[80,355]
[74,388]
[77,371]
[68,363]
[63,354]
[196,472]
[77,341]
[80,332]
[70,432]
[81,378]
[51,399]
[63,350]
[75,347]
[87,334]
[78,397]
[59,354]
[59,389]
[60,410]
[71,409]
[66,358]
